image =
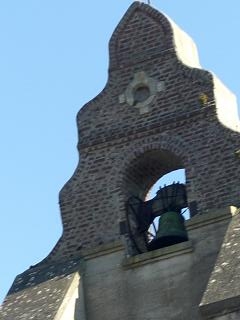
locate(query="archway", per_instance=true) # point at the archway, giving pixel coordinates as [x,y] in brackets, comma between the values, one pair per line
[148,171]
[177,176]
[144,171]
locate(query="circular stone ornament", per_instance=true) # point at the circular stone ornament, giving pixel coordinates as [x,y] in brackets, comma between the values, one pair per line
[141,94]
[141,91]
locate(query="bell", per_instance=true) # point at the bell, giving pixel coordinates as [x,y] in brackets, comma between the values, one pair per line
[171,230]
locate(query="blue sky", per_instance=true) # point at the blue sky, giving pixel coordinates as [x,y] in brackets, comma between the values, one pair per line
[53,59]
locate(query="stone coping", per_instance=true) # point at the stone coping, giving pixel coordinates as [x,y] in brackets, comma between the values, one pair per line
[102,250]
[212,216]
[159,254]
[220,308]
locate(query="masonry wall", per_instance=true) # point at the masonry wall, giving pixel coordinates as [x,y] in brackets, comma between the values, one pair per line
[124,152]
[166,284]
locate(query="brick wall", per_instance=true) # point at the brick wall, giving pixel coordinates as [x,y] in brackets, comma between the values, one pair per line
[123,151]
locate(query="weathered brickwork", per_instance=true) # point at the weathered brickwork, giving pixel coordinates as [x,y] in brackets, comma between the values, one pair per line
[123,152]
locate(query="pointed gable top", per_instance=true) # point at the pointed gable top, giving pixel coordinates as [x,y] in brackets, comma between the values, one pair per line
[144,33]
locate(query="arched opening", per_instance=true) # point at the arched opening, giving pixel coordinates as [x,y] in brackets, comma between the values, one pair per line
[144,176]
[177,176]
[144,171]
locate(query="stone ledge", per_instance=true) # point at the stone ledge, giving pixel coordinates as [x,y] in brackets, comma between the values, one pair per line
[102,250]
[156,255]
[212,216]
[220,308]
[197,221]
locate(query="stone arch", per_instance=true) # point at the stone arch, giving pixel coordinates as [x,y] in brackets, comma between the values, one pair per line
[146,169]
[143,164]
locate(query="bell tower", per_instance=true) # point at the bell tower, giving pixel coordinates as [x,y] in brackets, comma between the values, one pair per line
[159,112]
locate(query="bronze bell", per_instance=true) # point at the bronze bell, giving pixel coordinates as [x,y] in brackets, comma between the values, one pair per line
[171,230]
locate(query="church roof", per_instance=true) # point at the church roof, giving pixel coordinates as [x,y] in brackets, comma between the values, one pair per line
[38,293]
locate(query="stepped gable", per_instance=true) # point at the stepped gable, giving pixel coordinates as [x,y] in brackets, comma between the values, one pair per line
[185,117]
[157,113]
